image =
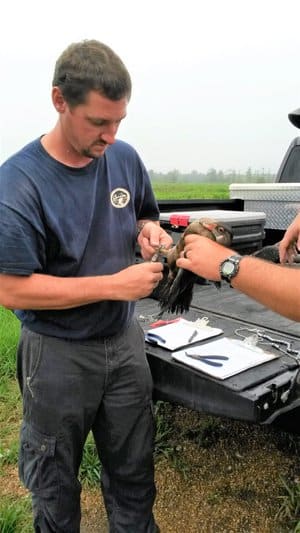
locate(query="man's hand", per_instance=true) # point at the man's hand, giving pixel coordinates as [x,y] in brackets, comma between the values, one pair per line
[290,244]
[151,238]
[136,281]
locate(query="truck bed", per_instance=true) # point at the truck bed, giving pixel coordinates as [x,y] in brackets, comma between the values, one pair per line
[261,394]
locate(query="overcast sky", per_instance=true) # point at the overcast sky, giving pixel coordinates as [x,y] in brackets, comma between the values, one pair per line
[213,81]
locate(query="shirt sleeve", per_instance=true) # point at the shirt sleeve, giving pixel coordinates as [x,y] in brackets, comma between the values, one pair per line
[20,252]
[21,226]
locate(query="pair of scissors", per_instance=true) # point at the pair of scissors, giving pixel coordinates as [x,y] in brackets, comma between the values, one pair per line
[212,360]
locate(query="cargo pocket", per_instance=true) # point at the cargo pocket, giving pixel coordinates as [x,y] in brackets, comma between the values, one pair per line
[37,464]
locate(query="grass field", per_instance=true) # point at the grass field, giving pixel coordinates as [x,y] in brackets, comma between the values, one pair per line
[189,191]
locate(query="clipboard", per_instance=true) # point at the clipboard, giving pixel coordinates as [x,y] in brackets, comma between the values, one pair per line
[180,333]
[237,356]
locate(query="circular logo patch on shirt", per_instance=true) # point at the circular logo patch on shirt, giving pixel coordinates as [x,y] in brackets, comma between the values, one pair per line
[119,197]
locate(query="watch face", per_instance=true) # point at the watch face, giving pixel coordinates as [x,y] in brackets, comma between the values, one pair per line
[228,268]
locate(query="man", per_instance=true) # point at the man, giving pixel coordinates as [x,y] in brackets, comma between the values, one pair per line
[275,286]
[71,203]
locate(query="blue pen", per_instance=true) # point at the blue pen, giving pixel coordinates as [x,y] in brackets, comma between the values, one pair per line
[193,336]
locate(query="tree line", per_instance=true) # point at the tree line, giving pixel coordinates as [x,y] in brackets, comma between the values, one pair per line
[214,176]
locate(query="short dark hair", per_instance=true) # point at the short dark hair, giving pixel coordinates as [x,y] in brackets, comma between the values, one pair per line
[87,66]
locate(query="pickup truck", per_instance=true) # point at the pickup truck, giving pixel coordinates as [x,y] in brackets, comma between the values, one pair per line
[265,394]
[289,170]
[280,201]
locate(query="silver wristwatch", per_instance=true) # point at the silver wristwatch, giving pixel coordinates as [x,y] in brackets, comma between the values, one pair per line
[230,267]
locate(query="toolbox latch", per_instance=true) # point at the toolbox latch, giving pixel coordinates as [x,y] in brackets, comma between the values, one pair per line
[177,220]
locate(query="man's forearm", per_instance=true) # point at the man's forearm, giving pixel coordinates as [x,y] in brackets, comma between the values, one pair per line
[40,291]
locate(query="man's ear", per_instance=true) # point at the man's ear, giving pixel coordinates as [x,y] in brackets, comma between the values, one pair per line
[58,100]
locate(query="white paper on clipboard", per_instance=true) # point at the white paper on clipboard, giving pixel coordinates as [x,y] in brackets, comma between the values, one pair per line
[181,333]
[240,357]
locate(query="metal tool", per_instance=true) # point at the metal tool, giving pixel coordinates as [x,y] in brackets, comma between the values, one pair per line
[160,254]
[154,338]
[212,360]
[282,345]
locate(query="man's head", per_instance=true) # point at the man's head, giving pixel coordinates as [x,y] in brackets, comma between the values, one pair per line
[91,66]
[91,90]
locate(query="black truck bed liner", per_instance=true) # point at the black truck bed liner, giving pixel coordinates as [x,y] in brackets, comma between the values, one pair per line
[260,394]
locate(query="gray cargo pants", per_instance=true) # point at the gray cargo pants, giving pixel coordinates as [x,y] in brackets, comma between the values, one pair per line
[68,389]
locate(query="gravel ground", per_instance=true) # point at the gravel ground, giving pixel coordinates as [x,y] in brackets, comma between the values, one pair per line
[224,477]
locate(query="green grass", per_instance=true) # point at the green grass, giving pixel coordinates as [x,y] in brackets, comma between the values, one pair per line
[15,515]
[10,405]
[189,191]
[163,446]
[290,504]
[9,334]
[10,419]
[9,456]
[90,468]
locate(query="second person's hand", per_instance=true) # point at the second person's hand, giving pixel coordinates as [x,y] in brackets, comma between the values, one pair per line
[203,256]
[290,244]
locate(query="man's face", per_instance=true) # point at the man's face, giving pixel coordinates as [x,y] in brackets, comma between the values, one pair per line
[90,127]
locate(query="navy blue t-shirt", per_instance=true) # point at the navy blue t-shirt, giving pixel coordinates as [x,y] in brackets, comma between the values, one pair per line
[72,222]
